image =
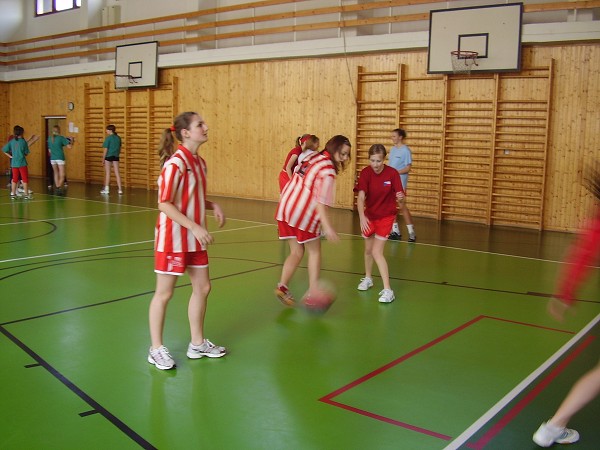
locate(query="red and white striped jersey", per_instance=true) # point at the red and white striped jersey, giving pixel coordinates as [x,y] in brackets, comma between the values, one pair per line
[313,182]
[182,181]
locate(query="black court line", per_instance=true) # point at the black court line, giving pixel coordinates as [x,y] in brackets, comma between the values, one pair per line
[463,286]
[53,228]
[29,366]
[89,413]
[80,393]
[269,266]
[129,297]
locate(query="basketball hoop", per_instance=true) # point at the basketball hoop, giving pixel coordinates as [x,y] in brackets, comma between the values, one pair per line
[124,81]
[463,61]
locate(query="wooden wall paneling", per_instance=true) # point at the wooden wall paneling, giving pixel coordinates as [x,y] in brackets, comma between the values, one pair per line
[376,111]
[492,172]
[521,147]
[468,148]
[116,114]
[421,115]
[161,107]
[5,128]
[94,119]
[320,100]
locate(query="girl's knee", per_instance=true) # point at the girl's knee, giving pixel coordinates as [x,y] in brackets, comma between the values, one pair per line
[162,297]
[205,289]
[298,252]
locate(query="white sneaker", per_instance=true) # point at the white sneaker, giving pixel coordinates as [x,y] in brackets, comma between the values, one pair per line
[161,358]
[547,434]
[386,296]
[120,192]
[365,283]
[207,348]
[105,191]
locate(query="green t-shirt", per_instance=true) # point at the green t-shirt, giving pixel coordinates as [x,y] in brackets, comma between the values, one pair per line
[18,148]
[56,147]
[113,145]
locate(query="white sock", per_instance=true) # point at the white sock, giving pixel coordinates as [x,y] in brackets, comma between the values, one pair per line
[410,228]
[395,228]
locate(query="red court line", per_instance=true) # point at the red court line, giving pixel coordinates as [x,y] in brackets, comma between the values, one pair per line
[329,397]
[390,421]
[376,372]
[529,324]
[515,410]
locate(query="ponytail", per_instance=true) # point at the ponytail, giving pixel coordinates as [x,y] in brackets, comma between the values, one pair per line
[166,146]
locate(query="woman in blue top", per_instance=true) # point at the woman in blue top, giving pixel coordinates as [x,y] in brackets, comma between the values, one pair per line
[112,150]
[56,144]
[17,149]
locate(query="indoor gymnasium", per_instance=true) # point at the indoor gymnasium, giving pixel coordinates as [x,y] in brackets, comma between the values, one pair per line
[128,121]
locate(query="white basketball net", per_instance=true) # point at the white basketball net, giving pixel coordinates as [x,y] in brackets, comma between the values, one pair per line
[463,61]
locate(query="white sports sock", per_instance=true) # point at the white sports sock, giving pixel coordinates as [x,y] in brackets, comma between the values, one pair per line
[395,228]
[410,228]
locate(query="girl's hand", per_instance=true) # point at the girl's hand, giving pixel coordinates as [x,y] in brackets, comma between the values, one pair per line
[330,235]
[202,234]
[365,224]
[219,215]
[557,308]
[400,196]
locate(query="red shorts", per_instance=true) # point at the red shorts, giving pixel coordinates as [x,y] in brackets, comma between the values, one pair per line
[288,232]
[16,171]
[381,228]
[175,263]
[283,180]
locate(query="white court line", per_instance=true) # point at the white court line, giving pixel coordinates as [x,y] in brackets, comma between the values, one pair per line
[110,246]
[352,235]
[27,222]
[110,203]
[494,410]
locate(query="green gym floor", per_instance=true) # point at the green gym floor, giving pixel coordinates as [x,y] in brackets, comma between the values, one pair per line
[466,357]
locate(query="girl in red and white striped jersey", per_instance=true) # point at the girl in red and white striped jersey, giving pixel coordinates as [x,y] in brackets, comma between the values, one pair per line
[302,212]
[181,236]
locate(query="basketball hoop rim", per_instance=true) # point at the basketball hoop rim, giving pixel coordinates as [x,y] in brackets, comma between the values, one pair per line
[464,54]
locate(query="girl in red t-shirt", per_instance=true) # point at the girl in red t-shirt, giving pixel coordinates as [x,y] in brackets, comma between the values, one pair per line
[379,191]
[304,144]
[181,237]
[302,212]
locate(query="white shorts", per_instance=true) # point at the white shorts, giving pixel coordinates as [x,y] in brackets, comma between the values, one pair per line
[57,162]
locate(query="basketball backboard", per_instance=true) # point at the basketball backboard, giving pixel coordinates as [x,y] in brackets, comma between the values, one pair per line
[136,65]
[493,31]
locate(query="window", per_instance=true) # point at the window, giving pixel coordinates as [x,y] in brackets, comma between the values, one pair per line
[51,6]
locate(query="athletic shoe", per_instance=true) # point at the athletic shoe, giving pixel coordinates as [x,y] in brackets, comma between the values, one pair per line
[386,296]
[284,295]
[161,358]
[547,434]
[27,197]
[365,283]
[13,197]
[207,348]
[120,192]
[105,191]
[412,237]
[395,236]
